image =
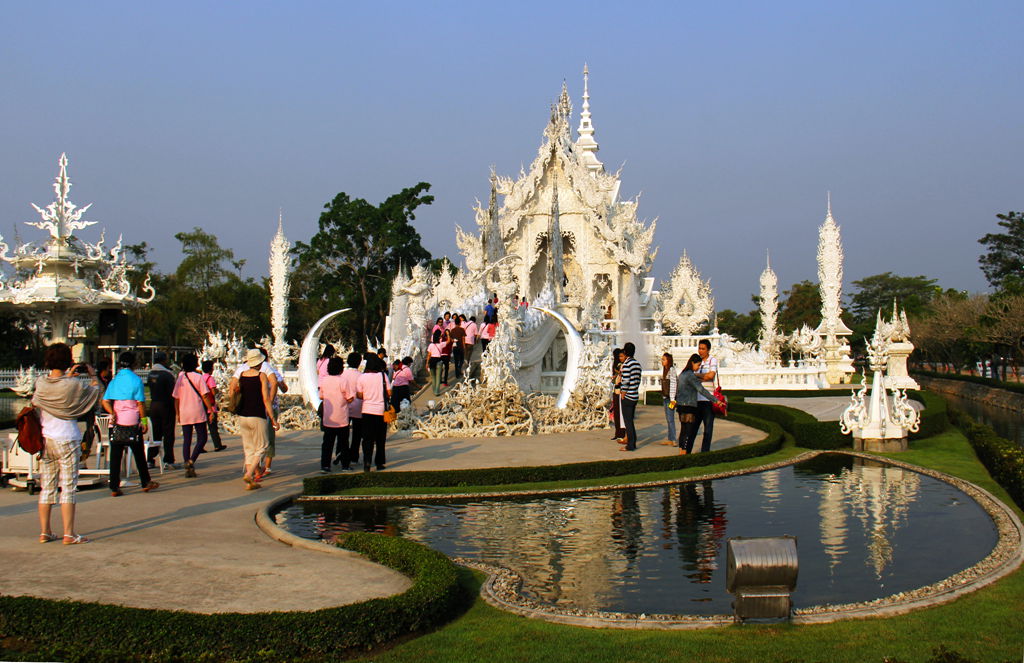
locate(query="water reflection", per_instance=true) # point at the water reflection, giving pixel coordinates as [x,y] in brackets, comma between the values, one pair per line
[865,530]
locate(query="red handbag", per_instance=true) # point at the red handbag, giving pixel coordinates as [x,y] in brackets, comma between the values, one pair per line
[721,405]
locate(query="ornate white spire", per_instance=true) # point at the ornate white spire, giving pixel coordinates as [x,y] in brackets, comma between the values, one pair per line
[830,274]
[586,143]
[769,301]
[279,246]
[60,217]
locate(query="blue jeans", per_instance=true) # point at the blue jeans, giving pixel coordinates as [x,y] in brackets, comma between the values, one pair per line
[670,419]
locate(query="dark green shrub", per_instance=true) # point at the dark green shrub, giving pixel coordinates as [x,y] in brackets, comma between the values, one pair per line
[325,485]
[807,431]
[1003,459]
[74,631]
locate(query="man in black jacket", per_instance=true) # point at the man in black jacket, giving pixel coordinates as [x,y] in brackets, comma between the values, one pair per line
[161,407]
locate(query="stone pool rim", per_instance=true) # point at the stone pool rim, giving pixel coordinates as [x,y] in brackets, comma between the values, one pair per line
[501,588]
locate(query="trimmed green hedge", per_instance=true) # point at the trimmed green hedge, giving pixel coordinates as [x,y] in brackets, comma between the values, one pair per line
[1016,387]
[74,631]
[807,431]
[333,483]
[935,418]
[1003,459]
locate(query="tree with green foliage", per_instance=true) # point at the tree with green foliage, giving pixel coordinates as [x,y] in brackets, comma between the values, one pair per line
[202,295]
[912,293]
[801,306]
[1003,263]
[741,326]
[353,258]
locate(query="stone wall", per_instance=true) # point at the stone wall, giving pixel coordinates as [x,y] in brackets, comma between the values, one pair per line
[972,391]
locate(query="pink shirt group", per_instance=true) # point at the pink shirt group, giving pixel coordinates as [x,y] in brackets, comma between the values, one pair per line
[372,386]
[435,349]
[191,408]
[335,392]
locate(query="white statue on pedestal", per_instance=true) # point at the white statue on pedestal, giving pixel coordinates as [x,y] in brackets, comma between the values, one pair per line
[879,419]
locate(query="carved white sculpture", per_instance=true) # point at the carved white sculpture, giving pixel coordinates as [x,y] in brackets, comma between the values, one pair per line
[574,343]
[67,279]
[280,350]
[686,299]
[836,352]
[879,421]
[897,333]
[769,339]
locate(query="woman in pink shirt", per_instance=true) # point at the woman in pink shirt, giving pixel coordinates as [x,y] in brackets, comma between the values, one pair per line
[375,391]
[336,396]
[434,352]
[402,383]
[321,363]
[193,405]
[471,333]
[486,334]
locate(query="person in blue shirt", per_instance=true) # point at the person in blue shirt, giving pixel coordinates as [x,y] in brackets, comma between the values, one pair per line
[125,400]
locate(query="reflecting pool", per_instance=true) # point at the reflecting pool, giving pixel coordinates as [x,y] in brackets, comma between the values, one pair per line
[865,530]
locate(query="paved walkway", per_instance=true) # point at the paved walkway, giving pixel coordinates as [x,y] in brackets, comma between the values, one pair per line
[192,544]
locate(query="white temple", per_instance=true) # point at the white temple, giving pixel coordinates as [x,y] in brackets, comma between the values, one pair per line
[560,236]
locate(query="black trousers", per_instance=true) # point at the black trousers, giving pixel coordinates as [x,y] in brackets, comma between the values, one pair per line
[398,394]
[628,415]
[213,425]
[457,356]
[333,438]
[688,429]
[446,361]
[375,433]
[161,415]
[350,442]
[90,432]
[138,451]
[706,416]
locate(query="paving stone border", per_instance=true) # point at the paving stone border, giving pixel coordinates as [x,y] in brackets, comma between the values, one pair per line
[503,585]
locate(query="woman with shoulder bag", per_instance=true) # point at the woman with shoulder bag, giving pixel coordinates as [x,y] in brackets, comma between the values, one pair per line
[434,352]
[374,390]
[193,405]
[688,385]
[255,409]
[60,398]
[125,401]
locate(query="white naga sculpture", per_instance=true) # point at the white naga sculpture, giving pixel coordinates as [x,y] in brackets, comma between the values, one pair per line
[65,279]
[769,340]
[280,350]
[686,301]
[835,350]
[879,418]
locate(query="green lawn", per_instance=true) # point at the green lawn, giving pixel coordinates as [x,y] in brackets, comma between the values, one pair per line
[987,625]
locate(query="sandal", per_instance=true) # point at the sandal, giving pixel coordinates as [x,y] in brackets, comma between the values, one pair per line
[74,539]
[668,444]
[46,538]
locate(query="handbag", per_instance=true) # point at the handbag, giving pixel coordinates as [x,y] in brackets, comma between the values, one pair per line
[720,406]
[124,434]
[389,410]
[30,431]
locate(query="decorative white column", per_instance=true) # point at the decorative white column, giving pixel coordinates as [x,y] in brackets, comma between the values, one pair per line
[835,351]
[280,352]
[769,339]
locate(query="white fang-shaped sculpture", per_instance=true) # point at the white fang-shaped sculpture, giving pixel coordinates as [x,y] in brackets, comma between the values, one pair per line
[879,419]
[280,351]
[686,300]
[769,338]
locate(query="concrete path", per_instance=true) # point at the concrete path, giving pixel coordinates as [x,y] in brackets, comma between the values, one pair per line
[193,544]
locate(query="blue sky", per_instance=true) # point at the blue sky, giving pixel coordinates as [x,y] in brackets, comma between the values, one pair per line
[732,120]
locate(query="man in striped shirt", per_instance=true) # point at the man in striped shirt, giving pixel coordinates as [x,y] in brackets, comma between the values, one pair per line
[629,392]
